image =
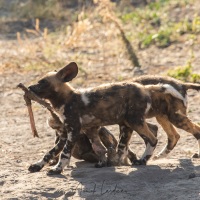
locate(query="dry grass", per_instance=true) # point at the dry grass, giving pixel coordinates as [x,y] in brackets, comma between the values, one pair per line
[88,42]
[97,41]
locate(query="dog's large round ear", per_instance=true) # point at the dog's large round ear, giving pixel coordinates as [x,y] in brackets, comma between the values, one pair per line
[68,72]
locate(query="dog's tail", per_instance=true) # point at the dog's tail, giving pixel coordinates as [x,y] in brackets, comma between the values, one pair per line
[167,89]
[193,86]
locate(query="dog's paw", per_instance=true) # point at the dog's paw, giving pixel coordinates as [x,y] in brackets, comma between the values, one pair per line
[139,162]
[100,164]
[34,168]
[196,155]
[110,163]
[54,171]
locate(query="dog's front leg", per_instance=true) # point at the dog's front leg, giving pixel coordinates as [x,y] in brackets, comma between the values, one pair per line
[48,156]
[54,161]
[65,155]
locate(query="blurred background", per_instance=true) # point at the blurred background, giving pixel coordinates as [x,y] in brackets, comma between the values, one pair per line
[111,40]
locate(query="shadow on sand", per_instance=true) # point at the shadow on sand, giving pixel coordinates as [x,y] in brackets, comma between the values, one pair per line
[163,181]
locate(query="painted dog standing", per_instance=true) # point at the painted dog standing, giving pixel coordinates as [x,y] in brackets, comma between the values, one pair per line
[124,104]
[169,111]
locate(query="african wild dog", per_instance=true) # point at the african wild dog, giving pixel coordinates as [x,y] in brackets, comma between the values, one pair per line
[83,148]
[124,104]
[169,111]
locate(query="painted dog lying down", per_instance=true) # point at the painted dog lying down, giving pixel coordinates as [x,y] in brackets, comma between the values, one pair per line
[169,112]
[125,104]
[83,149]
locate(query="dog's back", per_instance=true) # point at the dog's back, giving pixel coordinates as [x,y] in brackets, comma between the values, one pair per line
[180,86]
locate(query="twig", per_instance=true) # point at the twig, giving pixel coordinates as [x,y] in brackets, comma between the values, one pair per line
[28,96]
[30,111]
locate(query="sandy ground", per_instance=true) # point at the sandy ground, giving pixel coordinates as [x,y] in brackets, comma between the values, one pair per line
[176,177]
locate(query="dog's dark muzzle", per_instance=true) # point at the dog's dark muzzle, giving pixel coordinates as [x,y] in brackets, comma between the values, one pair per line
[35,88]
[41,90]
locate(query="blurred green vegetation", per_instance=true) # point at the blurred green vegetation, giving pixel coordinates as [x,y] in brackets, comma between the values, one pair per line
[151,20]
[184,73]
[157,27]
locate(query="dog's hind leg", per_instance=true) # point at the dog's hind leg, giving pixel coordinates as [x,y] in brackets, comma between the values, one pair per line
[150,141]
[153,128]
[123,147]
[109,142]
[107,138]
[124,153]
[97,146]
[172,135]
[83,149]
[183,122]
[48,156]
[131,155]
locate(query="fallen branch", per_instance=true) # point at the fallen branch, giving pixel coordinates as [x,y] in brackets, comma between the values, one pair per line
[28,96]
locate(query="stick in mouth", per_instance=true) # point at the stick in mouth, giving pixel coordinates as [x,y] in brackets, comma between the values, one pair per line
[28,96]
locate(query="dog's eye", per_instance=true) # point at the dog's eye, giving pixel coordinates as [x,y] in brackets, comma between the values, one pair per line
[43,81]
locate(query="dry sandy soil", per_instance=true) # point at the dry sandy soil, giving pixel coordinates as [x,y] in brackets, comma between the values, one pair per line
[176,177]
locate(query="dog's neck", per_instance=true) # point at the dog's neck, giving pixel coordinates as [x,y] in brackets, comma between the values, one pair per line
[62,96]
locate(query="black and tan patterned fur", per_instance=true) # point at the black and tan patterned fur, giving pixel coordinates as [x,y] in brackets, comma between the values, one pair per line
[125,104]
[169,112]
[82,149]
